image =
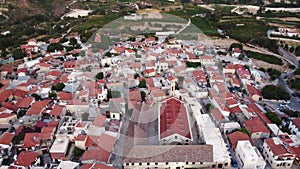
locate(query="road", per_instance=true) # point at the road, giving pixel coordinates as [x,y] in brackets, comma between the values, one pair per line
[269,33]
[289,57]
[294,101]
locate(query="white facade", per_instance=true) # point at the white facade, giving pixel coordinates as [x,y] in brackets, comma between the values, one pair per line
[294,129]
[248,157]
[277,161]
[161,66]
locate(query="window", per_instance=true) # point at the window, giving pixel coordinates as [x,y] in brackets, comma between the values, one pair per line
[114,116]
[167,163]
[132,163]
[186,163]
[213,166]
[127,164]
[156,163]
[175,137]
[193,162]
[148,163]
[140,163]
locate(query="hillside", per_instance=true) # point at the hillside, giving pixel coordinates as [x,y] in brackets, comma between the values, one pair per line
[16,10]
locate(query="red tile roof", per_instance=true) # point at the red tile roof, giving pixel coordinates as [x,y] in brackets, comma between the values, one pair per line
[231,102]
[6,115]
[256,125]
[237,136]
[57,110]
[96,154]
[217,115]
[54,73]
[53,123]
[26,102]
[5,95]
[69,64]
[45,65]
[34,139]
[6,138]
[81,137]
[48,129]
[277,149]
[253,91]
[99,120]
[173,118]
[64,96]
[135,95]
[25,158]
[58,156]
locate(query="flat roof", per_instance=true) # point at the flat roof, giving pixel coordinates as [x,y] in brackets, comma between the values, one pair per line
[60,145]
[212,136]
[170,153]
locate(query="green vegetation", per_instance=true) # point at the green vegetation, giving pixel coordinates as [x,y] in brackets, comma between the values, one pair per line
[55,47]
[291,113]
[18,53]
[273,73]
[274,118]
[58,87]
[275,92]
[193,64]
[294,83]
[243,130]
[297,51]
[77,153]
[52,94]
[36,96]
[85,116]
[142,83]
[17,139]
[113,94]
[100,75]
[208,107]
[236,45]
[143,95]
[264,57]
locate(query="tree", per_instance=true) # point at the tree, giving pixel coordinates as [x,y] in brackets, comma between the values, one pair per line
[113,94]
[297,51]
[59,87]
[85,116]
[236,45]
[142,83]
[100,75]
[52,94]
[274,118]
[73,41]
[18,53]
[143,94]
[54,47]
[36,96]
[77,152]
[275,92]
[193,64]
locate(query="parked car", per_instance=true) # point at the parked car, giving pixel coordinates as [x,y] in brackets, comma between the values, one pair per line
[234,162]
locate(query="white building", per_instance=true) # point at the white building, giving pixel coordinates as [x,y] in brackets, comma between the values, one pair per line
[278,153]
[248,156]
[59,147]
[295,126]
